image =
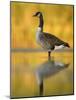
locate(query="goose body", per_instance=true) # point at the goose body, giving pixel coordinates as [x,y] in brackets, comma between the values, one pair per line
[49,41]
[46,40]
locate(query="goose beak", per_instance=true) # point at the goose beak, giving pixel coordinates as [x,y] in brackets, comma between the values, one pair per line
[34,15]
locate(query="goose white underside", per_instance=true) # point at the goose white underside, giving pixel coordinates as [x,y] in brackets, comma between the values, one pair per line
[59,47]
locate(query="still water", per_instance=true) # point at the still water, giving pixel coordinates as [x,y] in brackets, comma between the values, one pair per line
[33,74]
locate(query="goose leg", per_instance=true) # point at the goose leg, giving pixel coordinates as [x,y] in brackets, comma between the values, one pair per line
[49,54]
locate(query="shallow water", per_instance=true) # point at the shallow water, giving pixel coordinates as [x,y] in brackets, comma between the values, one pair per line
[32,74]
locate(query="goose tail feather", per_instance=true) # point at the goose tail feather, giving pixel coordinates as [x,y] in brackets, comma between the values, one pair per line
[67,45]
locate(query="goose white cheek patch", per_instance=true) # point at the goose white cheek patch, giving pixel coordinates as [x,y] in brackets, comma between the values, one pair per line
[38,15]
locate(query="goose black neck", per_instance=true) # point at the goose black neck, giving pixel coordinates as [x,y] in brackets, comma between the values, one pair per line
[41,22]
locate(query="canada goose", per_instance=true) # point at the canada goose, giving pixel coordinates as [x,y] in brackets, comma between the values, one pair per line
[46,40]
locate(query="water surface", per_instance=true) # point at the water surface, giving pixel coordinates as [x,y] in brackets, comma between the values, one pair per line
[32,74]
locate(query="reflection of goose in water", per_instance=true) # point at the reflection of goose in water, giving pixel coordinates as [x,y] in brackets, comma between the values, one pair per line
[48,69]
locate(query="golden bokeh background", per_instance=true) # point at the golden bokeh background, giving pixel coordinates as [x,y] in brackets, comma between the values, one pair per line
[58,20]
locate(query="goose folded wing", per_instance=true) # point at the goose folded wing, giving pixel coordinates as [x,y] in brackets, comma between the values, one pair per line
[53,39]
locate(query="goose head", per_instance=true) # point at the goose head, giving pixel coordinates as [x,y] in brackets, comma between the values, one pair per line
[37,14]
[41,21]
